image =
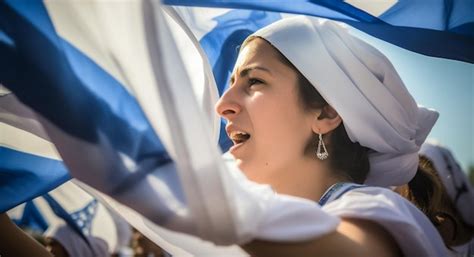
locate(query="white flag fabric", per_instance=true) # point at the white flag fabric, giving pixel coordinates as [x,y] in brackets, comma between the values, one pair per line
[132,42]
[71,206]
[127,99]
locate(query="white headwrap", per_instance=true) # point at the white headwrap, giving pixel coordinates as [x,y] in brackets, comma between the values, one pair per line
[75,245]
[361,84]
[455,181]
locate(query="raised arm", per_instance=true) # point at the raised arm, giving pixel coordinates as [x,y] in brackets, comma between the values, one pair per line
[353,237]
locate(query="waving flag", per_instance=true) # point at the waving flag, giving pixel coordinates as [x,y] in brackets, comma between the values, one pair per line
[29,216]
[129,117]
[30,165]
[71,205]
[110,90]
[436,28]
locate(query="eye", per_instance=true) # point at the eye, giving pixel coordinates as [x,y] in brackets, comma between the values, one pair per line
[254,81]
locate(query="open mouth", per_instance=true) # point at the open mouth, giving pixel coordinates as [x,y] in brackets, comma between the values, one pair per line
[239,137]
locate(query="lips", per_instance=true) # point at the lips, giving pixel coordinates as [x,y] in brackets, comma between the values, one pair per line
[237,135]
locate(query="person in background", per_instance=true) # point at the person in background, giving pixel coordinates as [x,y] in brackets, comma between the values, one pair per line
[443,192]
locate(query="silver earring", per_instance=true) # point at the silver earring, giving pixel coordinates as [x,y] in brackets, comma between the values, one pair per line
[324,154]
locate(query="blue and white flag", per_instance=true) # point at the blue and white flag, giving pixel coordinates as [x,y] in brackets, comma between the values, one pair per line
[127,117]
[125,93]
[436,28]
[30,164]
[69,204]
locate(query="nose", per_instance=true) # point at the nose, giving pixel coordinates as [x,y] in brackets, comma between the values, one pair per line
[228,106]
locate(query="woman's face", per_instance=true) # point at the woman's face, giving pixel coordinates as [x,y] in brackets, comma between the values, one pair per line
[265,118]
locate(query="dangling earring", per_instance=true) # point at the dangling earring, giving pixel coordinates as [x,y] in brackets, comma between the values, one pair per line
[324,154]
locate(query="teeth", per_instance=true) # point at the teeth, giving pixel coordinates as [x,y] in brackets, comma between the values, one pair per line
[239,136]
[238,133]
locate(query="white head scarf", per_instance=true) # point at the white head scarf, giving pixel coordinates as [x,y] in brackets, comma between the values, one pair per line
[361,84]
[455,181]
[75,245]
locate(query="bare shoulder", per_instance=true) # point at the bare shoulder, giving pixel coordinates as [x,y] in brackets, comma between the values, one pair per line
[368,238]
[353,237]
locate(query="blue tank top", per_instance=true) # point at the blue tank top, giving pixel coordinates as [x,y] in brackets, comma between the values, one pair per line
[336,191]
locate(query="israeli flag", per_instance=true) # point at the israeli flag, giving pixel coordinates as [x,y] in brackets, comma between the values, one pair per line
[31,165]
[116,100]
[69,204]
[106,92]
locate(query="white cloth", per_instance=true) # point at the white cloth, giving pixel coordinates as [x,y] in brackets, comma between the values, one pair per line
[75,245]
[455,181]
[258,211]
[414,233]
[124,232]
[284,218]
[186,192]
[361,84]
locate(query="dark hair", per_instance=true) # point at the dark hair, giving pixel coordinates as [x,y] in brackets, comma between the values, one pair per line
[427,192]
[350,160]
[424,190]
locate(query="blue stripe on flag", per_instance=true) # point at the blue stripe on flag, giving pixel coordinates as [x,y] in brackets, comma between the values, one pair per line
[6,39]
[92,100]
[333,9]
[84,216]
[427,27]
[222,43]
[32,218]
[62,213]
[24,176]
[46,72]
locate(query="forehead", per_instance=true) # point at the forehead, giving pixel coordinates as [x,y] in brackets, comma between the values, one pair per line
[258,52]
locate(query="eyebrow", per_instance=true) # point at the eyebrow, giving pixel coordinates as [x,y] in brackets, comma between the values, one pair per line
[246,71]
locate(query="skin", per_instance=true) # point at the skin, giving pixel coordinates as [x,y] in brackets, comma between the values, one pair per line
[55,248]
[143,246]
[14,242]
[263,102]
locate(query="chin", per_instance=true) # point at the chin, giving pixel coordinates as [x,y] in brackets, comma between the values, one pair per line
[240,164]
[243,166]
[250,171]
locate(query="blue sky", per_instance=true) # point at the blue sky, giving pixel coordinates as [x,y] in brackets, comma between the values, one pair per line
[444,85]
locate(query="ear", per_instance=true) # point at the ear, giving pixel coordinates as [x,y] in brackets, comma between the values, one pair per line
[326,120]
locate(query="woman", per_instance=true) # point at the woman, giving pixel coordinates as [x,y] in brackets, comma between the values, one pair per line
[315,113]
[366,101]
[443,192]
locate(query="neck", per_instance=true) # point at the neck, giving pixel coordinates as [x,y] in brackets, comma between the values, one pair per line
[309,179]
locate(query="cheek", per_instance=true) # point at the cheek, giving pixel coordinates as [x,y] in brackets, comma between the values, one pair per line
[281,127]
